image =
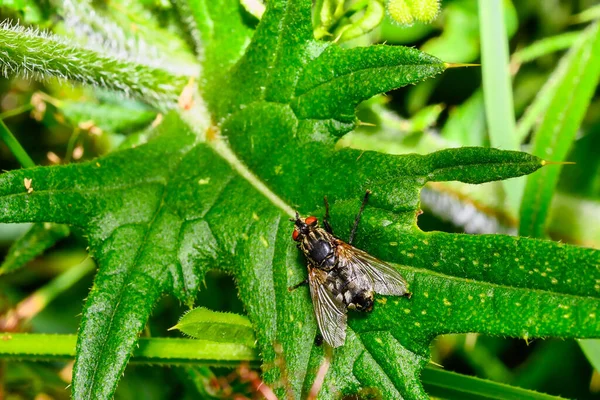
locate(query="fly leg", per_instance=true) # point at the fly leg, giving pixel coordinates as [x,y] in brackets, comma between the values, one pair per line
[357,219]
[296,286]
[326,224]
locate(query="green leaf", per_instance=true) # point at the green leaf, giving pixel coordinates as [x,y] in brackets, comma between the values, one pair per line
[449,385]
[591,348]
[545,46]
[30,11]
[117,117]
[220,35]
[460,38]
[466,123]
[587,15]
[339,79]
[202,323]
[214,186]
[576,79]
[35,241]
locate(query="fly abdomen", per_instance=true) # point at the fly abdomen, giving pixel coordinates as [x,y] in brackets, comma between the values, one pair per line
[363,301]
[352,290]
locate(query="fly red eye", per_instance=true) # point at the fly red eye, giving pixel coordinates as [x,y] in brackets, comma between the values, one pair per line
[310,220]
[295,235]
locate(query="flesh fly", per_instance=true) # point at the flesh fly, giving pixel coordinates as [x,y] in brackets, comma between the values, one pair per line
[340,276]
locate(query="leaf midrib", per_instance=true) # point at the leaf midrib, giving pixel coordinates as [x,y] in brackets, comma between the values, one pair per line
[346,74]
[200,114]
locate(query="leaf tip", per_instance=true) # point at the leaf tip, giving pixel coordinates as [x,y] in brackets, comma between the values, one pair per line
[460,65]
[546,162]
[362,123]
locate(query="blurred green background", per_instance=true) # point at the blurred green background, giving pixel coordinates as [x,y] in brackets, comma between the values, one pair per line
[61,123]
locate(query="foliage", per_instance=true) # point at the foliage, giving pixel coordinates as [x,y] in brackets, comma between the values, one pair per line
[236,149]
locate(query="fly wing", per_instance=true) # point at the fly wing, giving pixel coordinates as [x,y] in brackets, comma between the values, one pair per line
[386,280]
[330,312]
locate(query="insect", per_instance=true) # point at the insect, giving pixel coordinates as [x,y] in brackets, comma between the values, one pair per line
[340,276]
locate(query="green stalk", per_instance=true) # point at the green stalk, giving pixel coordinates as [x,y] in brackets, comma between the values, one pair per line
[497,89]
[165,351]
[29,54]
[168,351]
[16,111]
[15,147]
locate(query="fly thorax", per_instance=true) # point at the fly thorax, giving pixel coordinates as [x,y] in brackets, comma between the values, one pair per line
[320,250]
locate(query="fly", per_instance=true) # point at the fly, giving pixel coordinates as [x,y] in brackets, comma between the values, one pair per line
[340,276]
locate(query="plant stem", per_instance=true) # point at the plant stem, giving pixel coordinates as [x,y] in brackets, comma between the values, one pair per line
[165,351]
[16,111]
[15,147]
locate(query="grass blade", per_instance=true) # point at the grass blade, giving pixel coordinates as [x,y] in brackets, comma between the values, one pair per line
[497,88]
[577,77]
[450,385]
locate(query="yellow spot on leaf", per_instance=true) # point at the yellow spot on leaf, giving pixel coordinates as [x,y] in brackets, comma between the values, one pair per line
[264,241]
